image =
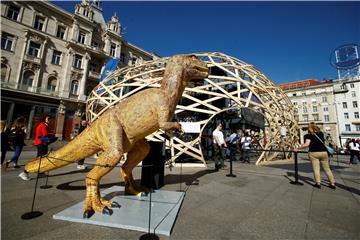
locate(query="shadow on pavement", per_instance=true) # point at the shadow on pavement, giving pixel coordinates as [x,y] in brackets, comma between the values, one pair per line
[310,181]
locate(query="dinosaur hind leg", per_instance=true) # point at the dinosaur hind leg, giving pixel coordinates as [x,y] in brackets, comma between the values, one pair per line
[137,153]
[104,164]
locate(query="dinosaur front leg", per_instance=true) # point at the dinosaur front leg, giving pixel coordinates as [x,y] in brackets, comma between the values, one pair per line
[138,152]
[93,201]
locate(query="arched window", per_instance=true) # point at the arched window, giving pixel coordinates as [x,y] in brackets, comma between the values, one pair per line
[74,87]
[51,86]
[28,79]
[4,70]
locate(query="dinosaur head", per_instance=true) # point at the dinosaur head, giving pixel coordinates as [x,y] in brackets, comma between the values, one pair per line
[193,67]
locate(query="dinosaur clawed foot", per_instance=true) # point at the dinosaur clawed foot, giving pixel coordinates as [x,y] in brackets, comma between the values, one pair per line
[131,188]
[115,205]
[94,203]
[88,213]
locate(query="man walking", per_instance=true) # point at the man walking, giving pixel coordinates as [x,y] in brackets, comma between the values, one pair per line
[219,144]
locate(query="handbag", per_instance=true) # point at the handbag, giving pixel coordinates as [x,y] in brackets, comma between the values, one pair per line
[329,149]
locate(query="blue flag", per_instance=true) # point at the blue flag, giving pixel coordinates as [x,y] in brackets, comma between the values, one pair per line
[110,66]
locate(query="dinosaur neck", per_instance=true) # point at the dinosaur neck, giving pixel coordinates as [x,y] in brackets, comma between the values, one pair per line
[173,86]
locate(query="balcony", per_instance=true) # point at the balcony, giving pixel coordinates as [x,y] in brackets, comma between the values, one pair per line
[32,59]
[340,89]
[94,75]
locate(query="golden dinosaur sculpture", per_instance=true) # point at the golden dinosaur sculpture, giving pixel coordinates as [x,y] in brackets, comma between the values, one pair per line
[122,129]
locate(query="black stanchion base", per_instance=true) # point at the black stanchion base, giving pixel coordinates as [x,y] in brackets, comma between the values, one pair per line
[296,183]
[31,215]
[45,186]
[149,236]
[230,175]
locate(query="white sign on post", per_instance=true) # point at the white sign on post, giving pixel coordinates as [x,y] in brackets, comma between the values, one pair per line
[190,127]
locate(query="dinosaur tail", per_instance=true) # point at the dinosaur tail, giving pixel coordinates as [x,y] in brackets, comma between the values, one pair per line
[73,151]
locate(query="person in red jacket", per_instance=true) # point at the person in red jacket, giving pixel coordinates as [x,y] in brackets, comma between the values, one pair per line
[41,132]
[41,141]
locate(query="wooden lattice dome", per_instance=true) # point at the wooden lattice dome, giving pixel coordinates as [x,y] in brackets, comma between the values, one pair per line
[239,83]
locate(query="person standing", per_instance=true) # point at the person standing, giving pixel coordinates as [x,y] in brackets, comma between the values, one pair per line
[40,141]
[354,151]
[245,145]
[17,137]
[219,144]
[317,154]
[233,143]
[4,140]
[83,125]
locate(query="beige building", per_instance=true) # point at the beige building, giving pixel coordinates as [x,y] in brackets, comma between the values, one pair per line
[315,102]
[52,59]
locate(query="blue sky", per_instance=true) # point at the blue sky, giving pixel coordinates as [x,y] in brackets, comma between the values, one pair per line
[287,41]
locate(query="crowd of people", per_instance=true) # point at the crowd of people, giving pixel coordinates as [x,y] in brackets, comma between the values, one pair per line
[237,142]
[13,138]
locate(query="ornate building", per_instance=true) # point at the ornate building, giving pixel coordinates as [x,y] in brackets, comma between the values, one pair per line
[52,59]
[333,105]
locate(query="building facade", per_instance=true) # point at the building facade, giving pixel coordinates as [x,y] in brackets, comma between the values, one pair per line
[52,59]
[332,105]
[347,99]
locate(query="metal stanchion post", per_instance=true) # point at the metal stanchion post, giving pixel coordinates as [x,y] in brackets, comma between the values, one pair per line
[296,182]
[46,186]
[33,214]
[148,235]
[180,190]
[231,173]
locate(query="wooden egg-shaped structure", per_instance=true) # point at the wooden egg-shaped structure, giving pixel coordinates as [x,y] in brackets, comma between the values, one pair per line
[234,92]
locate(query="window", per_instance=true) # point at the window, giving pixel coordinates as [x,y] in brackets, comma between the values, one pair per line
[316,117]
[28,79]
[112,50]
[60,33]
[346,115]
[357,128]
[94,44]
[4,71]
[56,57]
[122,57]
[295,103]
[7,41]
[34,49]
[74,87]
[324,99]
[294,94]
[355,105]
[356,115]
[133,60]
[353,94]
[51,86]
[314,108]
[13,12]
[93,67]
[86,13]
[306,118]
[304,109]
[352,85]
[344,105]
[347,127]
[77,61]
[81,37]
[39,23]
[326,118]
[343,86]
[325,109]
